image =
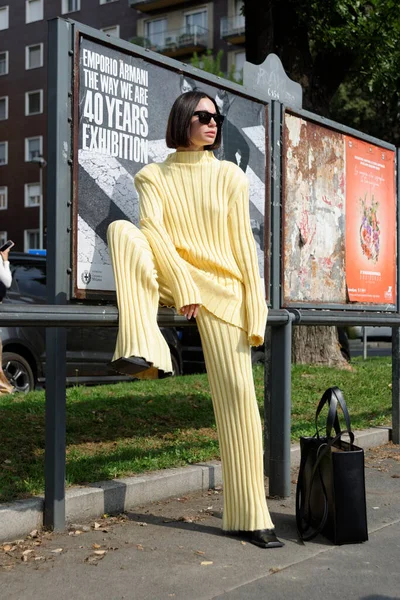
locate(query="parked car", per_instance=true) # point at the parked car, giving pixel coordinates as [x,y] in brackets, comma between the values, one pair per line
[375,333]
[89,350]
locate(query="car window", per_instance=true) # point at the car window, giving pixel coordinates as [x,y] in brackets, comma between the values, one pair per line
[31,279]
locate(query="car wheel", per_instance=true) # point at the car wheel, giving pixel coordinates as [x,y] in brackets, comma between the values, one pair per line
[257,358]
[175,365]
[18,372]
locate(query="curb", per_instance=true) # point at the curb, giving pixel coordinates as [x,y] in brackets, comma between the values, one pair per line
[18,518]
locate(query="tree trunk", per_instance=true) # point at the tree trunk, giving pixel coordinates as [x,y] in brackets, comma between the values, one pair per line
[317,345]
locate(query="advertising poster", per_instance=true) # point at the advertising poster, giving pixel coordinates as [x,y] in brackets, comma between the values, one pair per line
[370,223]
[124,103]
[314,213]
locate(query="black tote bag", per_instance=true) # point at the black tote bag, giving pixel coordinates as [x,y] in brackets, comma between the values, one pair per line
[330,494]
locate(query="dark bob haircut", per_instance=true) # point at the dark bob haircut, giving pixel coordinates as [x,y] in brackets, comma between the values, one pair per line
[178,128]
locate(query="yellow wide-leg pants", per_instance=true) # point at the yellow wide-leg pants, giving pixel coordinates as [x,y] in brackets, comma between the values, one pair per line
[140,289]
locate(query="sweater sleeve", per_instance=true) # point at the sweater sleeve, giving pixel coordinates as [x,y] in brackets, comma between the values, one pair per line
[5,273]
[173,267]
[244,250]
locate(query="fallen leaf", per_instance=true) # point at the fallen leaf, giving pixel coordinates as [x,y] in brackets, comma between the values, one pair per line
[7,548]
[56,551]
[139,547]
[200,552]
[100,552]
[243,543]
[26,552]
[96,546]
[274,569]
[205,563]
[395,476]
[33,533]
[97,525]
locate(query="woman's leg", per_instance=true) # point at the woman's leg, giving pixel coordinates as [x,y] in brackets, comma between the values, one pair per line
[137,297]
[228,361]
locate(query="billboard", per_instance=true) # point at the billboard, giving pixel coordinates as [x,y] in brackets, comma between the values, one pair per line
[121,115]
[339,218]
[370,223]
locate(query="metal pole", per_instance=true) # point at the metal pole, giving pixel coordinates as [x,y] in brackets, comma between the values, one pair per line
[41,207]
[396,385]
[59,186]
[280,409]
[365,350]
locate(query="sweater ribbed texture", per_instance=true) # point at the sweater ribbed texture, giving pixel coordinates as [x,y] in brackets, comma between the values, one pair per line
[194,211]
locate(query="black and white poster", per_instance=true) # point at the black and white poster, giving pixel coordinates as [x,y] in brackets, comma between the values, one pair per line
[124,103]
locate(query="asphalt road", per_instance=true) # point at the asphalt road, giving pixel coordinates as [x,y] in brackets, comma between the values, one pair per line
[373,348]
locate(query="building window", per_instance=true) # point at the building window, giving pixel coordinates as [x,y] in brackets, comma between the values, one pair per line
[4,108]
[4,17]
[3,197]
[32,194]
[195,20]
[4,62]
[34,56]
[33,10]
[31,239]
[156,31]
[68,6]
[114,30]
[240,57]
[33,148]
[107,1]
[3,153]
[238,13]
[34,102]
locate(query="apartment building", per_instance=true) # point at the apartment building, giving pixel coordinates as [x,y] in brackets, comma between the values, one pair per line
[175,28]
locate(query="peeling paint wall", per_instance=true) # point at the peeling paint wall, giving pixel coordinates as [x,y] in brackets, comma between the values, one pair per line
[313,213]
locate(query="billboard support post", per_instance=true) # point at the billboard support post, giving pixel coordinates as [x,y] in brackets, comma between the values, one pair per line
[279,435]
[58,264]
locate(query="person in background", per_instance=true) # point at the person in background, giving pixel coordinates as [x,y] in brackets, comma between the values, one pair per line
[233,144]
[5,283]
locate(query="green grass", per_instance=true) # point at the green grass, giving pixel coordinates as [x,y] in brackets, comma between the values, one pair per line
[129,428]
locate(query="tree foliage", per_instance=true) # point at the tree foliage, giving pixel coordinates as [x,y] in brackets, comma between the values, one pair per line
[212,64]
[344,53]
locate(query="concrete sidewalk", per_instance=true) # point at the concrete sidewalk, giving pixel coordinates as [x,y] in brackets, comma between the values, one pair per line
[17,519]
[175,549]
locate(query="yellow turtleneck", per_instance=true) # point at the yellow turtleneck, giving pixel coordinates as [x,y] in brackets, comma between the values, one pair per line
[194,211]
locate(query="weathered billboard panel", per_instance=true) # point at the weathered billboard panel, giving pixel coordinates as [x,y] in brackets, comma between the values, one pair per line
[339,218]
[314,213]
[123,108]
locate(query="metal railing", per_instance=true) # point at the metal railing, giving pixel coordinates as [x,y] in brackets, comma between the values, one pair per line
[175,39]
[232,26]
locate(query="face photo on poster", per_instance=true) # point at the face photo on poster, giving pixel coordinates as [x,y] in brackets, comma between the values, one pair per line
[124,103]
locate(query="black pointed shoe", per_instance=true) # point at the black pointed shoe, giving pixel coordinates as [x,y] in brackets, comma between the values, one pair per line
[130,366]
[264,538]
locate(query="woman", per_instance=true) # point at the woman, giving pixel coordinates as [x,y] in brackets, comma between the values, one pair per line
[196,251]
[5,282]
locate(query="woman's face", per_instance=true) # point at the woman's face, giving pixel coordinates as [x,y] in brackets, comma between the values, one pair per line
[202,135]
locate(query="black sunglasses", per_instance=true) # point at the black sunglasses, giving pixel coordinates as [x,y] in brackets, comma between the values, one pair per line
[205,117]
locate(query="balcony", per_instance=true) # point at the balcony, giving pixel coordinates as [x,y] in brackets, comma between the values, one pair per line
[148,6]
[233,29]
[178,42]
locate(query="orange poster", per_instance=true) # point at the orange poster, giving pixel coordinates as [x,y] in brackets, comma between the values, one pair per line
[370,223]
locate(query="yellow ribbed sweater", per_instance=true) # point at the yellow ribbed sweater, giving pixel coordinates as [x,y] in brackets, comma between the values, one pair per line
[194,211]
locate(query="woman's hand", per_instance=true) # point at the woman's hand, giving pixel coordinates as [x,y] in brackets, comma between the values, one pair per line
[190,310]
